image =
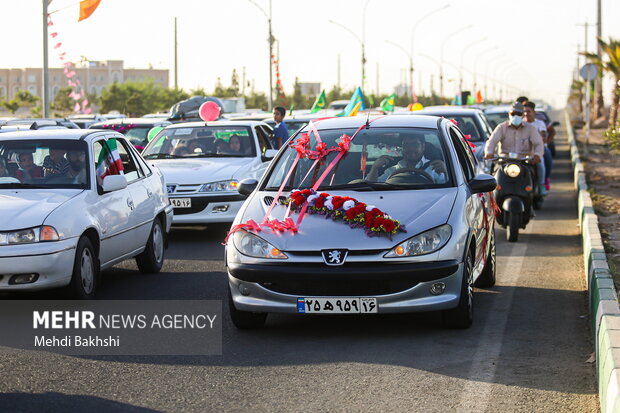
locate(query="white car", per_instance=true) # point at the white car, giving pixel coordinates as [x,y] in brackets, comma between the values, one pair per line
[73,202]
[203,163]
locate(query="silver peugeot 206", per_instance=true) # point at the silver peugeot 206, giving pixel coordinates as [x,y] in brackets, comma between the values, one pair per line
[364,215]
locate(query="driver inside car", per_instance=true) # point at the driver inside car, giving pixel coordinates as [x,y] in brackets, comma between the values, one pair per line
[414,147]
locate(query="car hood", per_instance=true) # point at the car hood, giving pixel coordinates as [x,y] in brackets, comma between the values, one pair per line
[29,208]
[196,171]
[418,210]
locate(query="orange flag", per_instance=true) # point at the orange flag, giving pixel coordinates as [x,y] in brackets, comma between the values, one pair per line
[87,7]
[479,98]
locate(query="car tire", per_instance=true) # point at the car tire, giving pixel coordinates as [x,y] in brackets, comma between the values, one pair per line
[85,275]
[151,259]
[512,230]
[245,320]
[462,316]
[488,276]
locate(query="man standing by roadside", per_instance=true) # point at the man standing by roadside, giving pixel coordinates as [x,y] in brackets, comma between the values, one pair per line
[280,131]
[514,135]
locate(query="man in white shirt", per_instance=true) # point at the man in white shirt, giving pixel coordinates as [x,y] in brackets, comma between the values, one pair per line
[530,117]
[413,158]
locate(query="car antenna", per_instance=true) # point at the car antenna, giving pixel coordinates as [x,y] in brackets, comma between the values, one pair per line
[368,120]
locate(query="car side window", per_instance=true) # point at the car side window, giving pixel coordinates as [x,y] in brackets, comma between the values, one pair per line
[263,140]
[106,159]
[465,160]
[131,169]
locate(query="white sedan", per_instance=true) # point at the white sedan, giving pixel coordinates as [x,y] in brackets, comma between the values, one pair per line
[203,163]
[73,202]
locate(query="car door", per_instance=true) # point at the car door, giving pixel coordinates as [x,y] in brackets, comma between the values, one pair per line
[142,206]
[477,204]
[112,210]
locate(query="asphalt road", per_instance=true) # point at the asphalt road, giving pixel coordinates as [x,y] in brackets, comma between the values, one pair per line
[526,351]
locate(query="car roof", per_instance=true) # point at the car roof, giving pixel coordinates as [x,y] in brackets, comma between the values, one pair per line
[418,121]
[75,134]
[498,109]
[448,111]
[216,123]
[127,121]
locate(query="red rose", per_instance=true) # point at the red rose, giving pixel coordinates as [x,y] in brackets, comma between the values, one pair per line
[337,202]
[389,225]
[352,213]
[306,192]
[378,221]
[323,194]
[320,202]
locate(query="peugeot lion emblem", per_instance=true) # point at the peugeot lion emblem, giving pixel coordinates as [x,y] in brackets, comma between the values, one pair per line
[334,257]
[170,188]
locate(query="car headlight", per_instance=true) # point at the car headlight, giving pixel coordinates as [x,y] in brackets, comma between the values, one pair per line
[219,186]
[254,246]
[29,235]
[512,170]
[424,243]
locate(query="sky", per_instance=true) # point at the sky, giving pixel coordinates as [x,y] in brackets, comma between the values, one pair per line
[530,45]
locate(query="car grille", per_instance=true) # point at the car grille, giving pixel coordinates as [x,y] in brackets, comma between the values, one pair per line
[184,188]
[340,288]
[268,200]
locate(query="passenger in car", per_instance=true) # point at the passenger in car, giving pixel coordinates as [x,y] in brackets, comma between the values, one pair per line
[27,168]
[3,169]
[234,144]
[55,163]
[77,166]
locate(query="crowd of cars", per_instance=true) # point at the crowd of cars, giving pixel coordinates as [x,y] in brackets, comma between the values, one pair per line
[139,176]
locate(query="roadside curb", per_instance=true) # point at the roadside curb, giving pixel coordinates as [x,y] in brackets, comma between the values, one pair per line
[602,295]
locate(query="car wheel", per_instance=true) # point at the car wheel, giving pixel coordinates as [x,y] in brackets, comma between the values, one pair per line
[85,271]
[245,320]
[463,315]
[512,230]
[152,258]
[487,277]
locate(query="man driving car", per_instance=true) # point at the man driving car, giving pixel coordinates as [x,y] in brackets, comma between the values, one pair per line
[414,147]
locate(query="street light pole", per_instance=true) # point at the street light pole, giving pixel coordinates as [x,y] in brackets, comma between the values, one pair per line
[469,46]
[361,43]
[271,41]
[410,65]
[443,45]
[46,101]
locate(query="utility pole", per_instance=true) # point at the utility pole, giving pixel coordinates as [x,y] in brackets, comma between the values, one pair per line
[271,39]
[338,73]
[243,80]
[176,60]
[598,92]
[377,90]
[46,74]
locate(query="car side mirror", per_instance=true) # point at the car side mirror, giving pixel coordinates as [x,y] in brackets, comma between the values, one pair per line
[247,186]
[269,154]
[114,183]
[556,123]
[482,183]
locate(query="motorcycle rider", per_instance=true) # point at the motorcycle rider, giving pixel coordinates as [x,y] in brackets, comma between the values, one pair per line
[514,135]
[530,117]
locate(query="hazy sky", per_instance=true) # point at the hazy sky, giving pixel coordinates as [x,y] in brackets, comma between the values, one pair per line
[536,40]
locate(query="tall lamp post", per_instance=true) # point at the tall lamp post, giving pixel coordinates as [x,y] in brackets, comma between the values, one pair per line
[46,86]
[413,30]
[410,66]
[271,41]
[441,52]
[363,48]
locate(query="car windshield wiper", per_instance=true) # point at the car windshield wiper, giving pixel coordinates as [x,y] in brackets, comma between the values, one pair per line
[12,185]
[162,156]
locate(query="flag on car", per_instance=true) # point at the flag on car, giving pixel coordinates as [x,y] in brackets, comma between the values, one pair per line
[357,97]
[319,103]
[356,109]
[109,161]
[387,104]
[88,7]
[470,100]
[479,98]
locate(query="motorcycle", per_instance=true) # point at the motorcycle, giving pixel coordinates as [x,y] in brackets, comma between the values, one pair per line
[516,193]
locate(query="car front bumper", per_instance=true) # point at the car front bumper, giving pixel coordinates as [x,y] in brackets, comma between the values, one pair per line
[52,261]
[398,288]
[208,209]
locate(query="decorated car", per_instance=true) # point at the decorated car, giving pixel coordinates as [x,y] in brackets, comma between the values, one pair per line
[74,202]
[137,130]
[364,215]
[203,163]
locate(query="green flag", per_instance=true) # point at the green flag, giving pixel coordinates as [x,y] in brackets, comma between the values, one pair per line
[387,104]
[319,103]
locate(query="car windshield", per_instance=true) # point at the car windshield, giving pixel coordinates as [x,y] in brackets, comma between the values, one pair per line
[137,135]
[496,118]
[378,159]
[202,141]
[292,125]
[33,163]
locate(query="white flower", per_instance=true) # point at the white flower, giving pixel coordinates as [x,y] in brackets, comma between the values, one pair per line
[294,190]
[328,204]
[311,199]
[329,198]
[348,205]
[370,207]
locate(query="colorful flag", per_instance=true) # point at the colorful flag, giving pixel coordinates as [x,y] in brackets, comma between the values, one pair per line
[319,103]
[357,97]
[470,100]
[355,109]
[109,161]
[479,98]
[87,7]
[387,104]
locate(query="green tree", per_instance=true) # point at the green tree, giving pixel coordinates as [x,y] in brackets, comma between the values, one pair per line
[610,63]
[139,98]
[62,102]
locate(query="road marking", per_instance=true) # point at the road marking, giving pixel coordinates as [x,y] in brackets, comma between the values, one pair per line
[480,379]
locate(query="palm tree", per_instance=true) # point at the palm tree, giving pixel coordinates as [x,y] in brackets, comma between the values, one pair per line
[610,63]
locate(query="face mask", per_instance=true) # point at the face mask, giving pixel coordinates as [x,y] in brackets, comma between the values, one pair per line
[516,120]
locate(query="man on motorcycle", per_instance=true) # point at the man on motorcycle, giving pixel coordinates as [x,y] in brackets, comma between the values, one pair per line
[530,117]
[516,136]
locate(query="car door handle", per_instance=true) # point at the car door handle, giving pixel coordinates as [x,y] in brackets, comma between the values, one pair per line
[130,203]
[149,192]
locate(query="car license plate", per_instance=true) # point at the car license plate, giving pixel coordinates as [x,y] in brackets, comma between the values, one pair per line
[336,305]
[181,202]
